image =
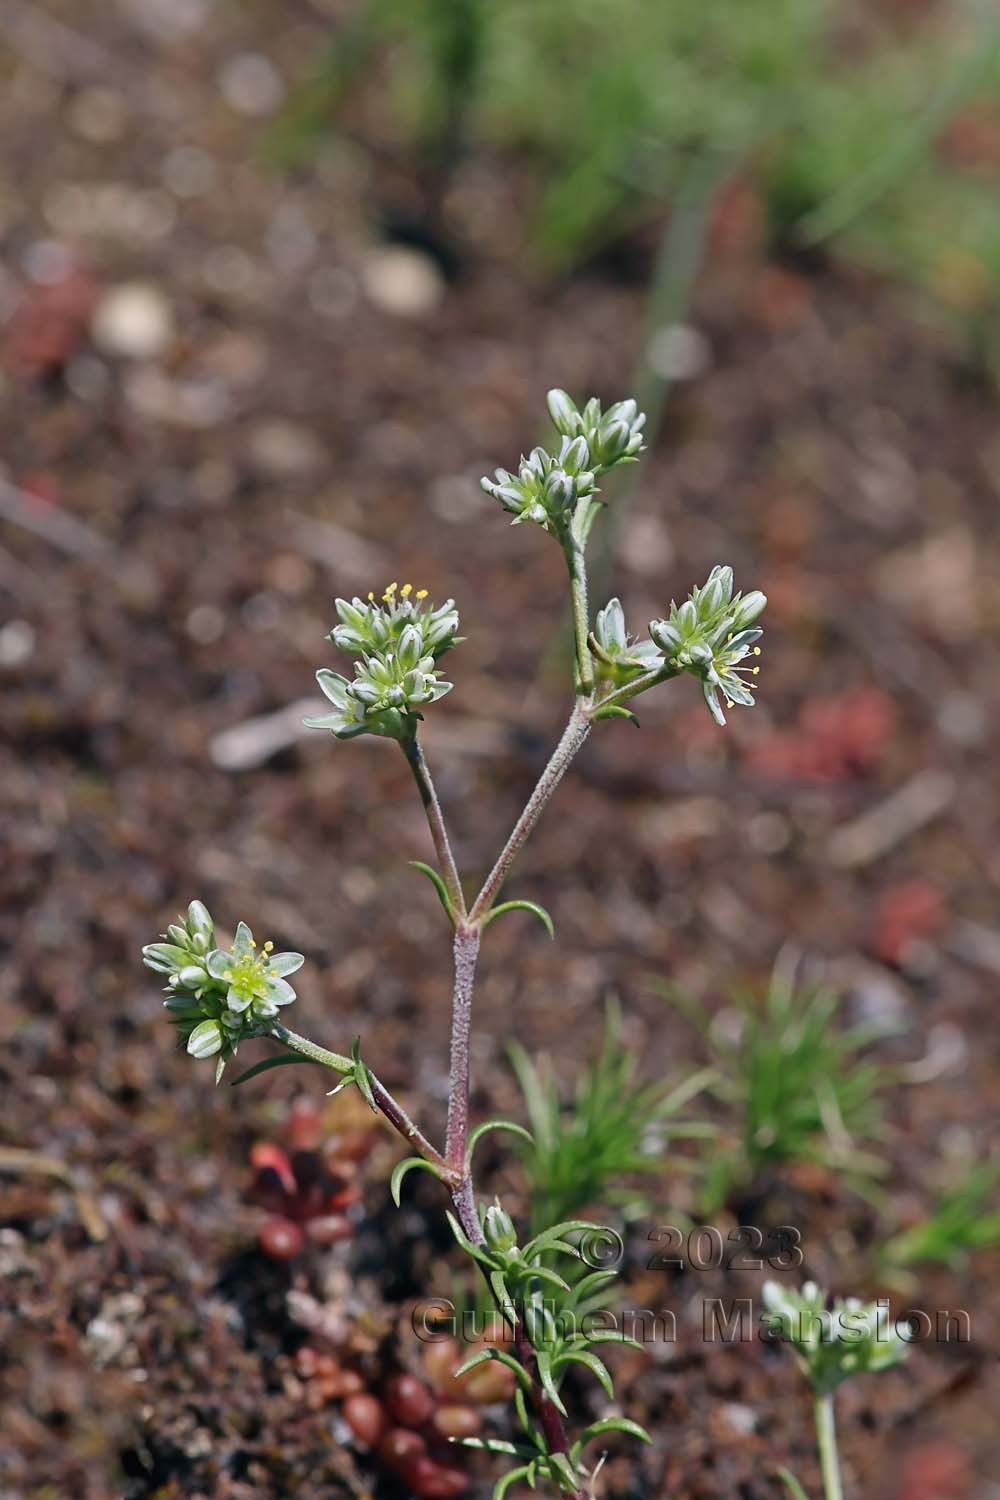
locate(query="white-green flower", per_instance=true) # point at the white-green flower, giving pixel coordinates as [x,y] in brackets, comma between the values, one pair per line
[621,659]
[397,643]
[256,983]
[546,486]
[711,635]
[612,437]
[377,625]
[833,1343]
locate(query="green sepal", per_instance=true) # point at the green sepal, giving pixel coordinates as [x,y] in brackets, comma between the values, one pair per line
[401,1168]
[532,906]
[434,877]
[499,1356]
[609,1424]
[282,1060]
[220,1068]
[794,1488]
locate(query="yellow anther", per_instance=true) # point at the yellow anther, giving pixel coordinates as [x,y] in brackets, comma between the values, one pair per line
[755,671]
[269,946]
[253,942]
[228,975]
[421,593]
[406,590]
[756,651]
[387,597]
[371,596]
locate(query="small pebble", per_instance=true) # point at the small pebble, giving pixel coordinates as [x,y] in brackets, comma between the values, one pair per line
[403,281]
[251,84]
[282,449]
[188,172]
[679,353]
[205,624]
[98,115]
[133,321]
[17,643]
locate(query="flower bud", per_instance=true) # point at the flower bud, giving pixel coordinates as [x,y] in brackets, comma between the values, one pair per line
[199,922]
[560,489]
[191,976]
[748,609]
[563,411]
[205,1040]
[498,1227]
[574,456]
[613,441]
[718,591]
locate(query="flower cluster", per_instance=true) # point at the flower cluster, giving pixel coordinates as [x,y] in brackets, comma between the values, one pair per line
[369,625]
[397,642]
[710,635]
[217,997]
[547,486]
[832,1344]
[612,437]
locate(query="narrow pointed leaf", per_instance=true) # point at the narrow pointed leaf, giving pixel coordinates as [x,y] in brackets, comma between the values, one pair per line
[362,1077]
[438,884]
[503,1485]
[544,1361]
[466,1244]
[500,1357]
[614,1424]
[795,1489]
[532,906]
[596,1366]
[488,1125]
[282,1060]
[400,1170]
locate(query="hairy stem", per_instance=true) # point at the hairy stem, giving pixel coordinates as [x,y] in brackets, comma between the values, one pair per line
[466,953]
[390,1107]
[826,1435]
[581,618]
[574,734]
[435,821]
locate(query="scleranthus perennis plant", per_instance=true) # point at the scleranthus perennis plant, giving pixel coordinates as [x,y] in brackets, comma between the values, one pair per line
[220,997]
[831,1344]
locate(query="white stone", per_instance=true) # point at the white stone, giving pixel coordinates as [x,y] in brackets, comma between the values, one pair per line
[402,280]
[133,321]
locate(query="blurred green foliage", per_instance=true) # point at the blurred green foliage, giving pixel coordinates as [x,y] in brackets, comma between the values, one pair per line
[835,111]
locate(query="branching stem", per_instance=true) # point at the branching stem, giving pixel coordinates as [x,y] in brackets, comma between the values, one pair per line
[435,821]
[390,1107]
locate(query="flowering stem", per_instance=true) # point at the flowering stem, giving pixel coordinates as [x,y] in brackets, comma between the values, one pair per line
[435,821]
[826,1436]
[574,734]
[466,953]
[390,1107]
[581,617]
